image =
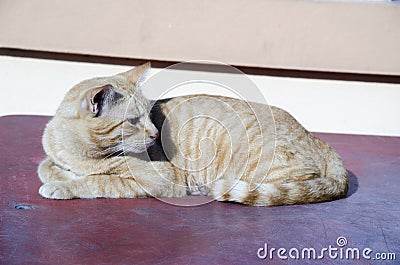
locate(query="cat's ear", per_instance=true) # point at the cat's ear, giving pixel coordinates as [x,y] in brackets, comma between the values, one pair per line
[138,75]
[99,99]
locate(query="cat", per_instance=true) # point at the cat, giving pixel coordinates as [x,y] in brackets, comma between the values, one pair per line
[107,140]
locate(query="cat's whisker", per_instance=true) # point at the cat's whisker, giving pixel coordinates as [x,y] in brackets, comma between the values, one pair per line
[111,148]
[127,150]
[118,148]
[110,155]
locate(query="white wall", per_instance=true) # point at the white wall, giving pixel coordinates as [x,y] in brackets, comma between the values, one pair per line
[33,86]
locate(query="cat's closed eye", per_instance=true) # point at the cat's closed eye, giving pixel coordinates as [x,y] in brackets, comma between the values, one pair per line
[134,121]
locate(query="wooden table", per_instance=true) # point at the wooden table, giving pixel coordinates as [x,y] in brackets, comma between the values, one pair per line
[34,230]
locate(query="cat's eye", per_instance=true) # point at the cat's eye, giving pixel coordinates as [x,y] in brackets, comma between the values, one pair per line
[134,121]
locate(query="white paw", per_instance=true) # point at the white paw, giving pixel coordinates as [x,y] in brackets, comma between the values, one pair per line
[58,190]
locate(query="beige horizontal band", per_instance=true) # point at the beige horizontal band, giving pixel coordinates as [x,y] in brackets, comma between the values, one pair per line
[347,37]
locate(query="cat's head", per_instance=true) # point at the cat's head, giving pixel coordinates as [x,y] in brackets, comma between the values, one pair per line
[111,112]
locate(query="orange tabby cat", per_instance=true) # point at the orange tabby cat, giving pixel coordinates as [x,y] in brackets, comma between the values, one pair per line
[102,143]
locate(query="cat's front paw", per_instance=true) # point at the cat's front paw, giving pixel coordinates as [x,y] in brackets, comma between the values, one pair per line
[57,190]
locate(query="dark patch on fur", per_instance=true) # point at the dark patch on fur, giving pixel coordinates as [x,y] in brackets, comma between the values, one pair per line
[226,196]
[280,200]
[252,198]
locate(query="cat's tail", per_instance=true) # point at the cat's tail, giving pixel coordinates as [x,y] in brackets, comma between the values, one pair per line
[313,188]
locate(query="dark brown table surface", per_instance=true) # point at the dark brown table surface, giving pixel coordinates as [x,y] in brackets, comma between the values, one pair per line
[148,231]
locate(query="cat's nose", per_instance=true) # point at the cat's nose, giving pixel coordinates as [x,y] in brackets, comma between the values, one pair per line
[154,136]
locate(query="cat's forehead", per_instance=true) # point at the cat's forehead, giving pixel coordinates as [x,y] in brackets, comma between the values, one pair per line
[134,100]
[137,105]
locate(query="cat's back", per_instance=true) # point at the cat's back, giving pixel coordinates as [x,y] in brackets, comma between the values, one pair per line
[200,128]
[220,109]
[204,135]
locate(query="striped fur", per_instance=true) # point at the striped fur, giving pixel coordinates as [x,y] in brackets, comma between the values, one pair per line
[101,143]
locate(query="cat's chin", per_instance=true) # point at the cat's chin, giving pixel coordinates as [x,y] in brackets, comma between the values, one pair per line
[148,145]
[139,150]
[142,148]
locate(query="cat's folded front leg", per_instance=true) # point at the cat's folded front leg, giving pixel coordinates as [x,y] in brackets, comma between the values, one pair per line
[109,186]
[56,190]
[93,186]
[49,171]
